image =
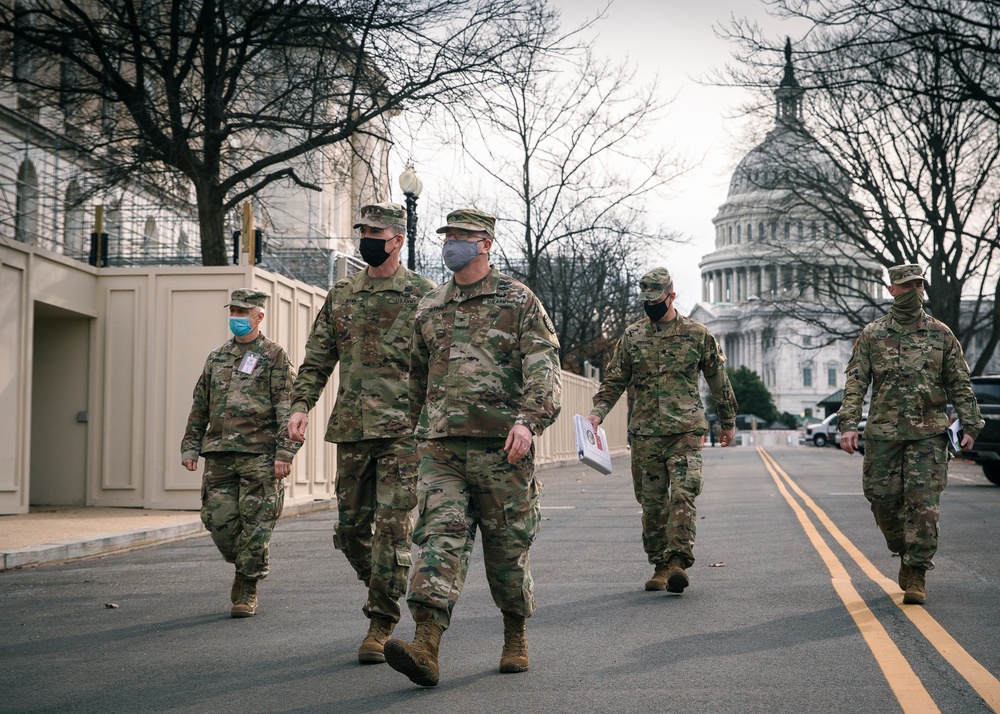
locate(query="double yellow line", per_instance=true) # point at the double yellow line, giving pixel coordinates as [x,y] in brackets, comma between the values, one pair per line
[909,690]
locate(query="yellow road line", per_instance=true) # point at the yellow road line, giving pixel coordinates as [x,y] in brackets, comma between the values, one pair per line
[978,677]
[909,690]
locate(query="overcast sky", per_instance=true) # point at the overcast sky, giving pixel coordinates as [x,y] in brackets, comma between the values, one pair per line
[675,40]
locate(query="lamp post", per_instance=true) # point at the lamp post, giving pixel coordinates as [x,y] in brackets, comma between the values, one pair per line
[412,186]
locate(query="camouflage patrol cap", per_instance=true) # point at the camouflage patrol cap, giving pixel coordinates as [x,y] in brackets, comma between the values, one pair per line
[381,215]
[899,274]
[245,297]
[654,284]
[470,219]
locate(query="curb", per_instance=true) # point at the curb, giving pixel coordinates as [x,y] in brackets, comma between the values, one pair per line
[95,546]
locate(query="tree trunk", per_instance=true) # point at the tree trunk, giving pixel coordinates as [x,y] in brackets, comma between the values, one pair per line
[211,222]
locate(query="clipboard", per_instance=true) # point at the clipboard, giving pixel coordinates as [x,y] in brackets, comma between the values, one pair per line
[592,446]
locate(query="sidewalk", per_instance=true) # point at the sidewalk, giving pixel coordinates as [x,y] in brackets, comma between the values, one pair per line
[50,534]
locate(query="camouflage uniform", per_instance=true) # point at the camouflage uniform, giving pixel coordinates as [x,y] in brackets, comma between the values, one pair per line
[366,325]
[662,360]
[914,370]
[483,359]
[238,422]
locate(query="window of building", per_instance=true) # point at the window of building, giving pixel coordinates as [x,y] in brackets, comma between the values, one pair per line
[807,341]
[749,232]
[831,376]
[807,376]
[26,210]
[75,231]
[808,412]
[788,230]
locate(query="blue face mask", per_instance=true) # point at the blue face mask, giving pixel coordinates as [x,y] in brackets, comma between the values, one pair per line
[459,253]
[240,326]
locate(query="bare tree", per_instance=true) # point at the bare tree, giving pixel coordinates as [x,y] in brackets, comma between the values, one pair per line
[918,162]
[564,141]
[230,97]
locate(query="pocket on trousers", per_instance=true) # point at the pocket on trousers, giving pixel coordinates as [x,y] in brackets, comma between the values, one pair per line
[404,557]
[523,516]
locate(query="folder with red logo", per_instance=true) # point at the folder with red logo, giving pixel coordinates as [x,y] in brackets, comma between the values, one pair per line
[592,445]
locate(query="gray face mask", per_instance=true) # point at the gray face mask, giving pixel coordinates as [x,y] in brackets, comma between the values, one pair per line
[459,253]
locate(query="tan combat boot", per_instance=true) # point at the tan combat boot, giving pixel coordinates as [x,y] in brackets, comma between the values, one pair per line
[234,592]
[371,649]
[659,579]
[916,593]
[514,657]
[677,579]
[417,660]
[246,603]
[904,575]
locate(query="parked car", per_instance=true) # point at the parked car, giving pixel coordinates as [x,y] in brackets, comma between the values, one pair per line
[986,450]
[824,432]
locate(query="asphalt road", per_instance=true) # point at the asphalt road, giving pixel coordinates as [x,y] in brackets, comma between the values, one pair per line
[781,616]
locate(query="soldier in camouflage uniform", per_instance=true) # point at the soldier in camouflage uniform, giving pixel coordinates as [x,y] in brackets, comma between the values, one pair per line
[484,380]
[366,325]
[238,423]
[915,366]
[661,358]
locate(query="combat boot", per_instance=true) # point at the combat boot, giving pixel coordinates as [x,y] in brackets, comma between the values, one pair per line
[234,592]
[659,579]
[246,603]
[916,593]
[514,657]
[417,660]
[904,575]
[677,579]
[372,648]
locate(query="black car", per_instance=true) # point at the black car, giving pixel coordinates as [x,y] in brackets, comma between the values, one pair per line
[986,450]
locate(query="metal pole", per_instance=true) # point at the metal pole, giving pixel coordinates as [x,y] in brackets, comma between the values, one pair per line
[411,231]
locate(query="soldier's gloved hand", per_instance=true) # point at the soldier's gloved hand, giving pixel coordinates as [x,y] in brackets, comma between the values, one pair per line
[849,442]
[282,469]
[297,424]
[726,436]
[518,443]
[595,420]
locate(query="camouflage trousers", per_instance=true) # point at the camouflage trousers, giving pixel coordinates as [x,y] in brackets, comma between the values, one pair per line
[667,477]
[376,493]
[241,501]
[467,484]
[903,481]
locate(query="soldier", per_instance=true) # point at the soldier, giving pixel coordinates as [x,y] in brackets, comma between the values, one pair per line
[661,357]
[484,380]
[237,422]
[366,325]
[915,367]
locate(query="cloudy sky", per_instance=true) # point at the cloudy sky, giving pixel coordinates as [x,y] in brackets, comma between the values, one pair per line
[675,40]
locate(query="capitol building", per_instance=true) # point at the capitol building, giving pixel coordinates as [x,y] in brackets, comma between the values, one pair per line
[766,286]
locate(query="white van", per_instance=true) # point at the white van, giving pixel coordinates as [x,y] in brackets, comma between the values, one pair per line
[823,432]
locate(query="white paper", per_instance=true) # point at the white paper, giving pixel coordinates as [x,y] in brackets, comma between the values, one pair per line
[955,436]
[591,445]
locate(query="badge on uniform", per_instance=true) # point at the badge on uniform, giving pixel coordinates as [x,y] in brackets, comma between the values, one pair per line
[249,362]
[592,445]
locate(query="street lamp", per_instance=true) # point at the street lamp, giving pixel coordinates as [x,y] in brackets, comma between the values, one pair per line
[412,186]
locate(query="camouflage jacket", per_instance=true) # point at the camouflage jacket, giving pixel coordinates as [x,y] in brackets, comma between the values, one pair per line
[483,361]
[662,361]
[914,370]
[365,324]
[238,411]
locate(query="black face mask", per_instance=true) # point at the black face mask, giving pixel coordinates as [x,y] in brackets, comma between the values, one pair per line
[373,251]
[656,311]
